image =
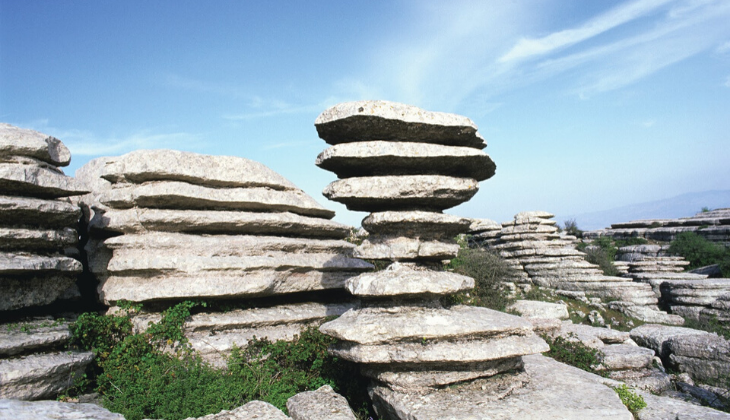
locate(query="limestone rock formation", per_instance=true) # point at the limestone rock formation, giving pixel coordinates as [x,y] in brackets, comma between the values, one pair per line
[53,410]
[166,226]
[322,404]
[38,228]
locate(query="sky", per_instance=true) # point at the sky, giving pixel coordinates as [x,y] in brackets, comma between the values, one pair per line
[585,106]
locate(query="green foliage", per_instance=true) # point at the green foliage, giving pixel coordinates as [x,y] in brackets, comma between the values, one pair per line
[603,256]
[701,252]
[571,227]
[573,353]
[705,210]
[488,269]
[156,374]
[633,401]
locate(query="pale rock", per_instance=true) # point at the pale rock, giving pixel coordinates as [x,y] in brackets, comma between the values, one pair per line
[40,376]
[646,314]
[54,410]
[35,181]
[384,120]
[594,337]
[401,280]
[624,357]
[35,335]
[656,337]
[652,380]
[537,309]
[18,292]
[16,141]
[396,248]
[483,225]
[322,404]
[415,224]
[663,408]
[36,212]
[16,263]
[406,192]
[374,158]
[18,239]
[252,410]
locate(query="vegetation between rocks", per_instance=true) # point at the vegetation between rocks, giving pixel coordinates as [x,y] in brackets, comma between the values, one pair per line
[701,252]
[156,374]
[574,353]
[489,270]
[633,401]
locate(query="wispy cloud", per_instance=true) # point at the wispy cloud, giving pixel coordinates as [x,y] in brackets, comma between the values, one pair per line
[527,47]
[648,123]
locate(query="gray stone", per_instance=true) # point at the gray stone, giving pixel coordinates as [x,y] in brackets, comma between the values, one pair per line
[251,410]
[652,380]
[624,357]
[54,410]
[483,225]
[184,196]
[537,309]
[594,337]
[211,171]
[34,181]
[383,120]
[40,376]
[663,408]
[16,141]
[322,404]
[36,212]
[546,391]
[400,248]
[227,222]
[402,280]
[23,291]
[655,336]
[374,158]
[18,239]
[407,192]
[26,336]
[413,224]
[706,357]
[16,263]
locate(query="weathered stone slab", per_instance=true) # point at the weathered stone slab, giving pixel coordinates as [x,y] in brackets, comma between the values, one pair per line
[15,263]
[34,335]
[656,337]
[173,165]
[546,391]
[251,410]
[484,225]
[36,212]
[624,357]
[54,410]
[415,224]
[218,285]
[592,336]
[384,120]
[403,248]
[23,291]
[407,192]
[322,404]
[16,141]
[647,314]
[375,158]
[537,309]
[227,222]
[662,408]
[183,196]
[376,325]
[401,280]
[18,239]
[34,181]
[41,375]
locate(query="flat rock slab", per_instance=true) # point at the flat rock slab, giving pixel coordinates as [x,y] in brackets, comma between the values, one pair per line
[376,325]
[35,181]
[406,192]
[211,171]
[625,357]
[484,225]
[322,404]
[546,391]
[19,239]
[225,222]
[593,337]
[36,212]
[649,315]
[415,224]
[185,196]
[219,285]
[41,375]
[54,410]
[656,336]
[15,263]
[375,158]
[403,248]
[383,120]
[18,292]
[16,141]
[537,309]
[21,337]
[251,410]
[400,280]
[663,408]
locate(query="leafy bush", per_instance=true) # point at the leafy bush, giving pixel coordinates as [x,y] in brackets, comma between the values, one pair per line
[634,402]
[701,252]
[573,353]
[489,270]
[156,374]
[603,256]
[571,227]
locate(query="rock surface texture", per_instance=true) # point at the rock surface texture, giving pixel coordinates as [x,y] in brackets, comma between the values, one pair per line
[429,361]
[38,228]
[165,226]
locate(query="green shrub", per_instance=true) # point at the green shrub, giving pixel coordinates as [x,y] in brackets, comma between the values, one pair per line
[489,270]
[633,401]
[570,226]
[573,353]
[701,252]
[602,258]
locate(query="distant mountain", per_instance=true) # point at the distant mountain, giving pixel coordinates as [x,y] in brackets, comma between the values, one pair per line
[670,208]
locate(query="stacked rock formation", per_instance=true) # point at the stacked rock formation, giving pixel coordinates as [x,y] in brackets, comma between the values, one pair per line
[406,165]
[37,225]
[168,226]
[713,225]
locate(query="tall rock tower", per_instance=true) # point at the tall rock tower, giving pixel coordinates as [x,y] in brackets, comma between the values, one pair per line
[405,166]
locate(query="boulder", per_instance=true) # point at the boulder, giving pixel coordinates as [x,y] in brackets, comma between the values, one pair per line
[537,309]
[625,357]
[16,141]
[656,337]
[40,376]
[36,181]
[251,410]
[322,404]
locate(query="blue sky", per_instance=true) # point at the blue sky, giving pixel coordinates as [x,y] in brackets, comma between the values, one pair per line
[585,105]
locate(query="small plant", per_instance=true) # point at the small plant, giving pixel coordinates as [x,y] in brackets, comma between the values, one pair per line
[633,401]
[603,254]
[705,210]
[489,270]
[571,228]
[573,353]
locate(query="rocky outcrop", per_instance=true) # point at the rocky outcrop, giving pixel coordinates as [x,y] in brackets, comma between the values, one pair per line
[38,229]
[56,410]
[166,226]
[322,404]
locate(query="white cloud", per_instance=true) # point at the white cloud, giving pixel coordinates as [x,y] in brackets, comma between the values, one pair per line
[648,123]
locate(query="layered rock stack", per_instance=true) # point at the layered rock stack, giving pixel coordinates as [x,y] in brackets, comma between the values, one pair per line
[405,165]
[167,226]
[37,225]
